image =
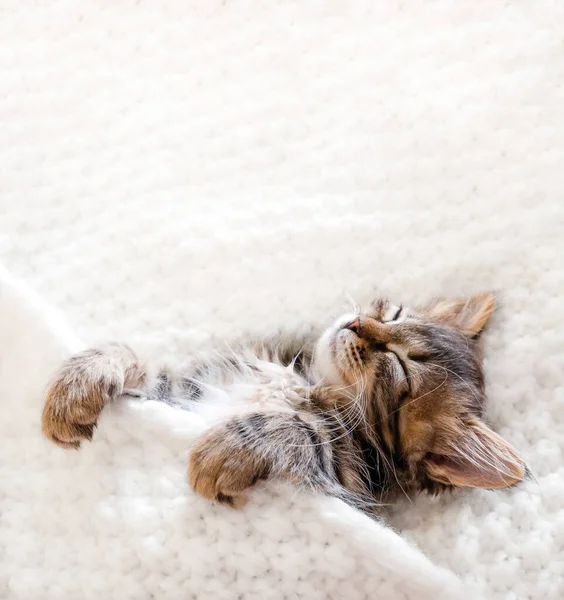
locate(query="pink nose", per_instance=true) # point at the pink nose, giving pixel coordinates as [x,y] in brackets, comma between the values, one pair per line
[370,329]
[354,326]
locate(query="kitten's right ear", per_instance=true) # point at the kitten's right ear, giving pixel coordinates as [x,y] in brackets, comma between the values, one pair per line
[468,315]
[481,459]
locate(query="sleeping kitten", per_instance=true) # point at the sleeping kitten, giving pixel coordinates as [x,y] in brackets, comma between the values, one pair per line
[385,400]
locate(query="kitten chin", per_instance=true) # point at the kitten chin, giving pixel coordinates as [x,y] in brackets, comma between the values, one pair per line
[324,365]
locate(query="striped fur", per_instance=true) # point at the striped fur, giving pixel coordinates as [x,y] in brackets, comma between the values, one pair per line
[386,400]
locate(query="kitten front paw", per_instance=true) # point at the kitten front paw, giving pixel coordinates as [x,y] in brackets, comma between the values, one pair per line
[76,397]
[223,471]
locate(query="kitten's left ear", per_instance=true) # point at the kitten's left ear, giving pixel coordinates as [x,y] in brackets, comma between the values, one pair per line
[481,459]
[469,315]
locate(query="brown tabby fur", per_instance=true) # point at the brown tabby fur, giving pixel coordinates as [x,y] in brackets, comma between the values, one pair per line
[389,399]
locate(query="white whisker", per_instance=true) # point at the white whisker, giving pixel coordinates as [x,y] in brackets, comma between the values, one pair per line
[420,397]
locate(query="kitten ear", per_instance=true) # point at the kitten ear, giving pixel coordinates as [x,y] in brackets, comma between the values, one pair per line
[481,459]
[469,315]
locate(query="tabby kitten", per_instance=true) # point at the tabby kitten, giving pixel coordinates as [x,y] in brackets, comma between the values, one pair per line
[385,400]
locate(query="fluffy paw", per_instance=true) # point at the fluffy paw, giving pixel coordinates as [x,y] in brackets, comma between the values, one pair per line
[223,471]
[76,396]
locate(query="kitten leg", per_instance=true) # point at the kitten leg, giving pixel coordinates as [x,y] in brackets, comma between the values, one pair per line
[230,458]
[81,388]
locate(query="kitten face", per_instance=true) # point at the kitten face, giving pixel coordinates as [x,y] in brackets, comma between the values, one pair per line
[417,376]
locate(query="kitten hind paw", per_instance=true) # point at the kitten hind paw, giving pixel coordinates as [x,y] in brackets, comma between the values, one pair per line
[77,395]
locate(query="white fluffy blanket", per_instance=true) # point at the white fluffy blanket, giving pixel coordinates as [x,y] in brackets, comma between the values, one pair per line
[117,519]
[177,173]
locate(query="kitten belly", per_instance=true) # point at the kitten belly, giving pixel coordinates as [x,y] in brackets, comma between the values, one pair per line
[224,388]
[218,402]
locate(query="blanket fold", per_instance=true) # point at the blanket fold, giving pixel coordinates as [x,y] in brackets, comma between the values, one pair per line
[118,520]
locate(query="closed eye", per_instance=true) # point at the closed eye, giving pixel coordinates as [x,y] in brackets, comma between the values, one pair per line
[396,315]
[419,357]
[378,347]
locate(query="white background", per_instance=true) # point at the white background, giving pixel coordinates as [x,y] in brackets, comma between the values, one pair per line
[172,172]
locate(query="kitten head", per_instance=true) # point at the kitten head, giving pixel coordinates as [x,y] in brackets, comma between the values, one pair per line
[417,376]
